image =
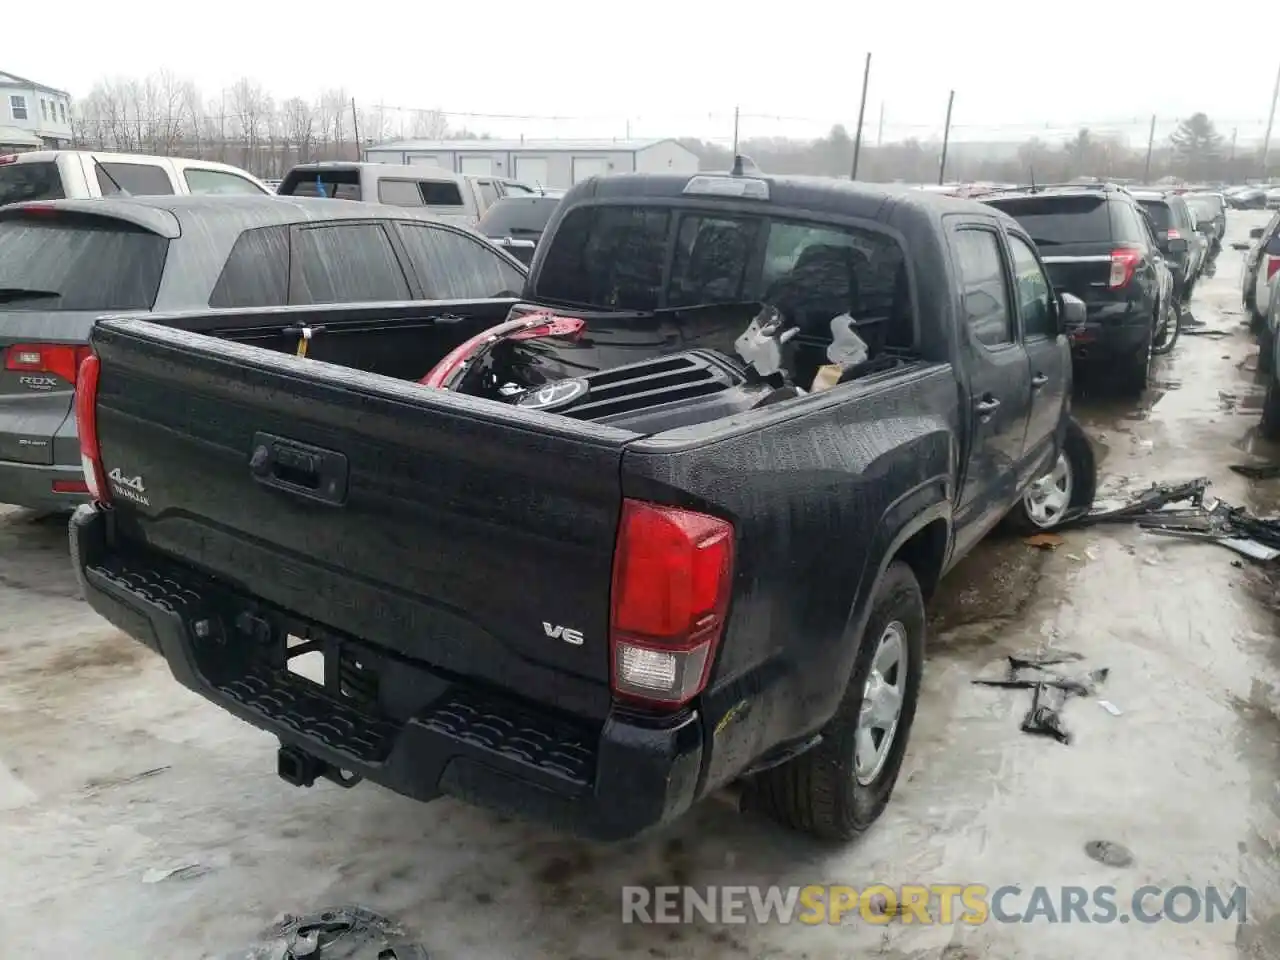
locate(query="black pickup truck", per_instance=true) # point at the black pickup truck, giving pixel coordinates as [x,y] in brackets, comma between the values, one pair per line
[665,524]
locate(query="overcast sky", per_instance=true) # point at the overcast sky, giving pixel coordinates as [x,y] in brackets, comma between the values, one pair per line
[667,68]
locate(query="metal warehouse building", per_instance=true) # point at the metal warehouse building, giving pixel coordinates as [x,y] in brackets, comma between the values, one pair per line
[555,164]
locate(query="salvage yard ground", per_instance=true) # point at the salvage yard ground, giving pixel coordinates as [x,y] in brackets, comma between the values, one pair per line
[136,820]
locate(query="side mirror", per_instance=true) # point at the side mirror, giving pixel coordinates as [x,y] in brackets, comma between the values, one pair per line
[1071,312]
[1255,233]
[1178,245]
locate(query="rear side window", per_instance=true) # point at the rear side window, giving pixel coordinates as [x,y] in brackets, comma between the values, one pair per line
[219,181]
[1052,221]
[441,193]
[1128,225]
[30,181]
[455,267]
[1160,214]
[607,256]
[80,264]
[986,294]
[346,263]
[400,193]
[1182,214]
[137,179]
[257,271]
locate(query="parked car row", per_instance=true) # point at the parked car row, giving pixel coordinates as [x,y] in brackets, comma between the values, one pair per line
[1132,256]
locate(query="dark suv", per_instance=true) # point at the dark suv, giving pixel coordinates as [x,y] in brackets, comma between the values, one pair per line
[1098,244]
[1184,248]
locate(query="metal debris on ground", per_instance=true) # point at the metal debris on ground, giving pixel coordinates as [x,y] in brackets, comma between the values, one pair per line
[188,871]
[1156,510]
[1111,708]
[1050,689]
[339,933]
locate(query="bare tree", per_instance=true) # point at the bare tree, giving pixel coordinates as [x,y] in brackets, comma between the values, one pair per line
[429,125]
[335,106]
[250,105]
[299,121]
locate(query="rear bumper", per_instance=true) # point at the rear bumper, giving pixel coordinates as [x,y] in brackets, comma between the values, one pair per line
[605,782]
[32,485]
[1111,331]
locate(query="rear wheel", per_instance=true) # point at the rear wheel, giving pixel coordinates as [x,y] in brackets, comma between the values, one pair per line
[837,789]
[1133,371]
[1167,329]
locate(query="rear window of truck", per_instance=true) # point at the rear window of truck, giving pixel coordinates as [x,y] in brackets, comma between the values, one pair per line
[649,257]
[1054,220]
[93,264]
[518,217]
[30,181]
[337,184]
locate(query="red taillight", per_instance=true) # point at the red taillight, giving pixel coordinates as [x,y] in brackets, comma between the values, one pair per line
[1175,234]
[70,486]
[8,158]
[672,576]
[1123,263]
[1273,264]
[87,427]
[56,358]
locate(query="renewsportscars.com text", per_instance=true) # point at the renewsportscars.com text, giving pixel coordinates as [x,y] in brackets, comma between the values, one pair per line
[939,903]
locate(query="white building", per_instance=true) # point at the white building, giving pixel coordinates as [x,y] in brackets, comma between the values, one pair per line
[32,116]
[555,164]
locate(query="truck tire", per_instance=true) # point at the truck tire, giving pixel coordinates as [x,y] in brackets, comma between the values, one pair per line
[1269,426]
[823,791]
[1065,491]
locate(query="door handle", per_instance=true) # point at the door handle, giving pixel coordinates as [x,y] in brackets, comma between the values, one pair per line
[1038,381]
[987,406]
[312,473]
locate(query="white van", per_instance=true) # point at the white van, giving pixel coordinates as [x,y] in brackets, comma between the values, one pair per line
[83,174]
[458,197]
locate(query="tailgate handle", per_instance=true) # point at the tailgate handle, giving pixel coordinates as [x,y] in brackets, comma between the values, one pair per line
[299,468]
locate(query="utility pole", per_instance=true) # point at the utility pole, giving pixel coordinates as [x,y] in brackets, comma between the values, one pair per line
[862,109]
[946,139]
[1151,141]
[1233,144]
[355,127]
[735,136]
[880,127]
[1271,119]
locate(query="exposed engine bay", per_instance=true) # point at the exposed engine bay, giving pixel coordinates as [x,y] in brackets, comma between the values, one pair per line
[648,373]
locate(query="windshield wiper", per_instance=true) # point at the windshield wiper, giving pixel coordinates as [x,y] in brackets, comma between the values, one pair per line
[8,294]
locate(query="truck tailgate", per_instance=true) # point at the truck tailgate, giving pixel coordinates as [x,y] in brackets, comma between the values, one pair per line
[471,537]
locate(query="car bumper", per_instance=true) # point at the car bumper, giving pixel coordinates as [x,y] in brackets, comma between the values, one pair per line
[1110,332]
[39,486]
[604,782]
